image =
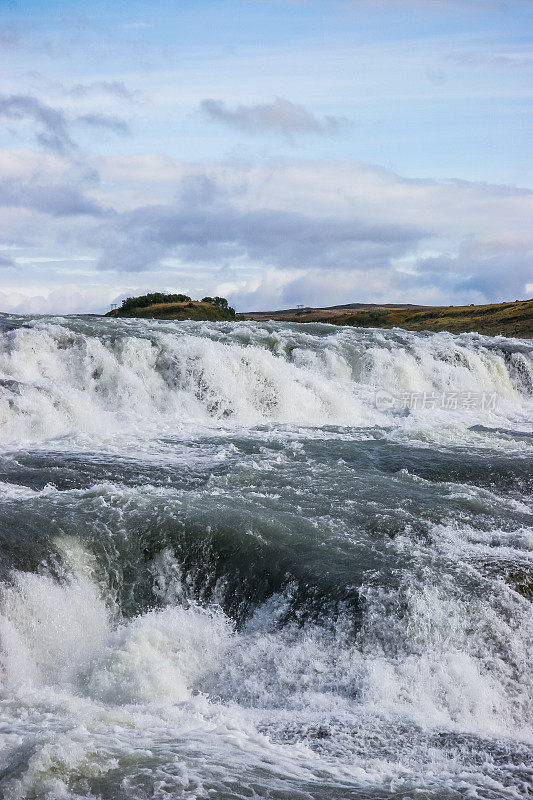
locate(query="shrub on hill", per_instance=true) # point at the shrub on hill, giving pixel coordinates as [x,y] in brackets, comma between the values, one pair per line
[220,302]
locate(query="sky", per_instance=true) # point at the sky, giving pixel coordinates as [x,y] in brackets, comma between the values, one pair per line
[274,152]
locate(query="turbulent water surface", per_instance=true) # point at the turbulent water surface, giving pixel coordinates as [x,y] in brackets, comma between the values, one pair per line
[227,572]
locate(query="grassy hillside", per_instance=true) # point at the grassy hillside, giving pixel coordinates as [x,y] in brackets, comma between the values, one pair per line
[191,309]
[509,319]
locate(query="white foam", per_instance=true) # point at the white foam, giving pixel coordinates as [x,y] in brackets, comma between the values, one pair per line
[101,381]
[178,695]
[48,628]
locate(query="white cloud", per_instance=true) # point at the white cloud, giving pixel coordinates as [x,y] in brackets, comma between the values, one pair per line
[317,232]
[69,299]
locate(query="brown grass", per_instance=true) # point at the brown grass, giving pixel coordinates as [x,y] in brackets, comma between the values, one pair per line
[508,319]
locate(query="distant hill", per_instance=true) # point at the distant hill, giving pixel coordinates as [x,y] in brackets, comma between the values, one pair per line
[174,306]
[308,309]
[509,319]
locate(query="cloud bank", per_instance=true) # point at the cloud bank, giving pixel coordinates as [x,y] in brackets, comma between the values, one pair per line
[293,230]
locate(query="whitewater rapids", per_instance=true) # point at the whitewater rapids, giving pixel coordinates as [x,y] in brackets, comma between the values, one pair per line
[229,571]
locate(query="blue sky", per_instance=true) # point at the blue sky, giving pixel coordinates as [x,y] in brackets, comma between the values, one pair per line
[278,152]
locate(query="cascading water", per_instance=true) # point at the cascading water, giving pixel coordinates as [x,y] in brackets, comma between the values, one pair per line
[229,570]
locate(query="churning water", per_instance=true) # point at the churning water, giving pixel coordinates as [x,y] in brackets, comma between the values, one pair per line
[226,573]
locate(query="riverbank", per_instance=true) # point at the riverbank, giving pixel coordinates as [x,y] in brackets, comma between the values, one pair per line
[507,319]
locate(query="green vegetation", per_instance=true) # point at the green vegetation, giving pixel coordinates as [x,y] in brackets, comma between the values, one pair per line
[157,305]
[152,299]
[220,302]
